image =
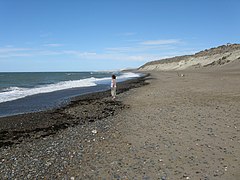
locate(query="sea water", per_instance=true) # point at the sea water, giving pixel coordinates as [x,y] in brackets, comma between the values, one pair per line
[35,91]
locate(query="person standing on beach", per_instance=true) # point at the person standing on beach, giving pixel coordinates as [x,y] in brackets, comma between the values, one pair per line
[113,87]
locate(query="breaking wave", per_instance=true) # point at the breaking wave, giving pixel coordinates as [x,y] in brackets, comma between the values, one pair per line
[13,93]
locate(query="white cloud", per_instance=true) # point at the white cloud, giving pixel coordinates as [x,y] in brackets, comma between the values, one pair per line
[46,53]
[161,42]
[12,49]
[138,51]
[119,49]
[53,45]
[122,57]
[146,46]
[140,48]
[15,55]
[117,56]
[104,56]
[78,53]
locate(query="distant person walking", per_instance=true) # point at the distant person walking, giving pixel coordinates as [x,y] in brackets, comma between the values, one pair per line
[113,87]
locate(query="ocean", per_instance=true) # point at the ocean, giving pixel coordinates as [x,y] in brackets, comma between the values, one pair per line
[24,92]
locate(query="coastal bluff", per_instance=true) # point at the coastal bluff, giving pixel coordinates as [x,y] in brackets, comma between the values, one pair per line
[222,56]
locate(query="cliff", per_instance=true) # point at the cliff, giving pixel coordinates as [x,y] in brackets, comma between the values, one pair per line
[214,57]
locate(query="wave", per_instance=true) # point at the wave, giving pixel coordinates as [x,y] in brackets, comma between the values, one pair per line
[10,89]
[13,93]
[129,75]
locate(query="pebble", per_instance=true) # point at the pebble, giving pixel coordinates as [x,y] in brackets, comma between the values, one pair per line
[163,178]
[225,169]
[94,131]
[34,156]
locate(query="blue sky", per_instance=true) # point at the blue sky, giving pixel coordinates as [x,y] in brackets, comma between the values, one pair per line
[77,35]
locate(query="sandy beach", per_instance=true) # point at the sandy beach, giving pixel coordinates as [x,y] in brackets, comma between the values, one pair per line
[173,128]
[120,90]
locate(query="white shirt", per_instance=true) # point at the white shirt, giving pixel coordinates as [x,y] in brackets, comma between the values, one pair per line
[113,83]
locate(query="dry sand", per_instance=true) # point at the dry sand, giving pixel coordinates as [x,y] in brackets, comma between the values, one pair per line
[175,128]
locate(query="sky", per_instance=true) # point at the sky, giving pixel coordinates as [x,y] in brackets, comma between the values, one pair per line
[96,35]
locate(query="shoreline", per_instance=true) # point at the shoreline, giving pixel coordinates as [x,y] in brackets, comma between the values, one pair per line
[176,127]
[42,98]
[18,128]
[45,101]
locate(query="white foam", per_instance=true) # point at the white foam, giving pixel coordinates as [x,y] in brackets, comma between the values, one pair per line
[10,89]
[121,77]
[128,75]
[14,93]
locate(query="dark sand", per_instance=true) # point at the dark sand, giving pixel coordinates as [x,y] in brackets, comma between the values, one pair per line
[82,109]
[174,128]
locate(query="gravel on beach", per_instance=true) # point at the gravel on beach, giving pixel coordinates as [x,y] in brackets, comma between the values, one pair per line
[176,127]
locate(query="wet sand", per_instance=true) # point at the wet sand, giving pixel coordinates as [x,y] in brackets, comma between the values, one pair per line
[174,128]
[81,110]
